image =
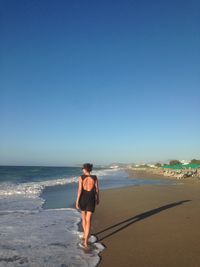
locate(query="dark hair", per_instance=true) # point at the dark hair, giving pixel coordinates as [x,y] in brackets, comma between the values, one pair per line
[87,166]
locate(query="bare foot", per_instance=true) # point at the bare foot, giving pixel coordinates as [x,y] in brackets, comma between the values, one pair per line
[85,244]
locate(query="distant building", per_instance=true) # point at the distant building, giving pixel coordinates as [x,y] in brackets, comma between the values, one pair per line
[184,162]
[114,166]
[151,165]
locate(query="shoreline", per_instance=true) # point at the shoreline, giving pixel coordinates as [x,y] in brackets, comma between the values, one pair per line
[134,174]
[157,173]
[149,225]
[148,175]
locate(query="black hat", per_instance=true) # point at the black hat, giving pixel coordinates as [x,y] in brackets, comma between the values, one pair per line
[87,166]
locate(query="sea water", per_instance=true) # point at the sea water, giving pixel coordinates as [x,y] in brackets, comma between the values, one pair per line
[38,220]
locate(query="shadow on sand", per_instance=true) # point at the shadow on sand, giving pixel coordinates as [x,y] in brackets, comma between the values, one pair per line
[135,219]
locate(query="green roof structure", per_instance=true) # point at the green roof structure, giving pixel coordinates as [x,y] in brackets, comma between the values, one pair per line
[182,166]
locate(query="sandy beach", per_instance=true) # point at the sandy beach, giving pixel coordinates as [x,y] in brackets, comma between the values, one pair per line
[150,225]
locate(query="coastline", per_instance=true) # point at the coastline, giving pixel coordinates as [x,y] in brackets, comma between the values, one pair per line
[160,173]
[149,225]
[148,173]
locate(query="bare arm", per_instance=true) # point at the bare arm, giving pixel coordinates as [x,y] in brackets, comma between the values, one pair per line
[97,190]
[79,191]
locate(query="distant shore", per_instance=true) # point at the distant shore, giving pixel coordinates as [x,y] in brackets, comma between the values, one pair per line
[159,173]
[150,225]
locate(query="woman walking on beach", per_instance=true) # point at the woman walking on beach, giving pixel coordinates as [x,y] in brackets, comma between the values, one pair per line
[87,198]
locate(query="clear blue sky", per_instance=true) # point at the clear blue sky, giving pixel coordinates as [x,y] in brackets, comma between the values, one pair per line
[99,81]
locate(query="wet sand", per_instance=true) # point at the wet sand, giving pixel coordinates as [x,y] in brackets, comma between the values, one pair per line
[149,225]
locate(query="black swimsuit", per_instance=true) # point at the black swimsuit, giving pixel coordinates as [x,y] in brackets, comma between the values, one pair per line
[87,199]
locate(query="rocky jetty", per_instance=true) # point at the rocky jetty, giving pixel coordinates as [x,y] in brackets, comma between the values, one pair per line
[179,174]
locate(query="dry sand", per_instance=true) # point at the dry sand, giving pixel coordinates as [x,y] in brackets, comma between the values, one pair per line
[149,225]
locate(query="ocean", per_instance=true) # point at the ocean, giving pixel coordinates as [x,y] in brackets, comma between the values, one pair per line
[38,219]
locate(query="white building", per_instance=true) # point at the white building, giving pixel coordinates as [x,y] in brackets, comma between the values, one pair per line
[184,162]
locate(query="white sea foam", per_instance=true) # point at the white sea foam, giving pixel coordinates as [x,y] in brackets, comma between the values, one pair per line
[109,171]
[33,237]
[46,238]
[31,189]
[34,189]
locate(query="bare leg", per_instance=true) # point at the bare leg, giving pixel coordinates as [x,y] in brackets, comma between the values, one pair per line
[83,220]
[87,227]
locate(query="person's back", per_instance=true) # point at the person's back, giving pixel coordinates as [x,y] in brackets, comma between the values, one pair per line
[88,182]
